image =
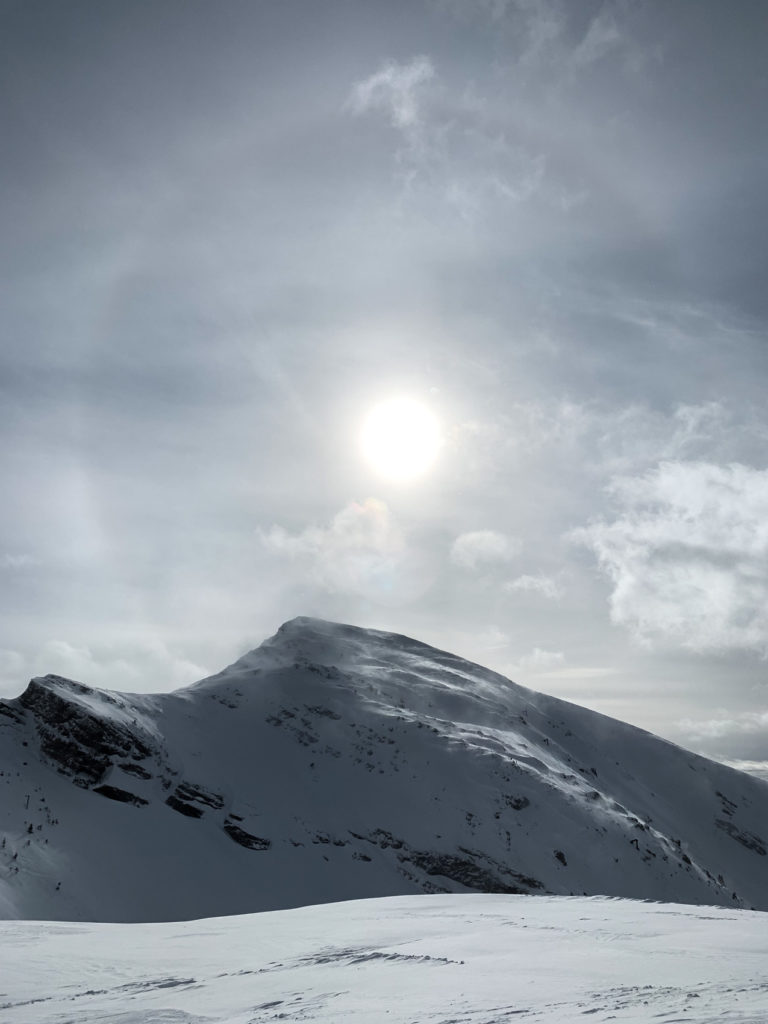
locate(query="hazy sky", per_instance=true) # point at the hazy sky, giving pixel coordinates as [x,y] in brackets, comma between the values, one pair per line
[229,229]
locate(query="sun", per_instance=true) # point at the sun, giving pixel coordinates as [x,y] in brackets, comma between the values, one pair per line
[400,439]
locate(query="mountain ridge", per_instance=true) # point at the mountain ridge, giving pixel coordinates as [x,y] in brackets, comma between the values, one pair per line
[335,762]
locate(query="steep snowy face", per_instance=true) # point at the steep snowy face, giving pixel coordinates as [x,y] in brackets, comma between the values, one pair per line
[337,763]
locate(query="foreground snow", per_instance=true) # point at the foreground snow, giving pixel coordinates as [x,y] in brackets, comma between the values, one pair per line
[406,960]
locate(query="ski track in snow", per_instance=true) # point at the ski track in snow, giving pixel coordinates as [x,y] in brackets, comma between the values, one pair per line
[442,959]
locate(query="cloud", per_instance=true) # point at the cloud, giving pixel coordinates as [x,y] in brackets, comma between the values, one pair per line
[687,555]
[361,551]
[581,672]
[536,24]
[17,561]
[13,670]
[546,33]
[540,660]
[730,734]
[547,586]
[725,724]
[602,36]
[607,439]
[393,89]
[623,439]
[452,145]
[495,10]
[482,548]
[140,665]
[758,768]
[492,639]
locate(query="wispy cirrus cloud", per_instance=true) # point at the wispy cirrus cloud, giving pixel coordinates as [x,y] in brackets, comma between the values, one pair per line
[395,89]
[450,144]
[483,549]
[552,31]
[547,586]
[687,555]
[602,36]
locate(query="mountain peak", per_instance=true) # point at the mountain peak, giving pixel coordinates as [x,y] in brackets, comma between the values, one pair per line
[335,645]
[306,630]
[336,762]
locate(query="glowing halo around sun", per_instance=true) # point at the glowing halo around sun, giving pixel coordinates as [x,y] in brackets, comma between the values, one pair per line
[400,439]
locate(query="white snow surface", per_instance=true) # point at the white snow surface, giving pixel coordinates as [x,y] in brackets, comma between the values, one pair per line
[441,959]
[336,763]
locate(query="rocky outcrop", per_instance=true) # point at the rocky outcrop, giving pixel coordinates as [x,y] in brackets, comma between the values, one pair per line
[747,839]
[471,868]
[121,795]
[239,835]
[75,739]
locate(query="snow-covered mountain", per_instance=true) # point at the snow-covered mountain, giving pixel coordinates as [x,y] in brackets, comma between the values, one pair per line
[337,763]
[406,960]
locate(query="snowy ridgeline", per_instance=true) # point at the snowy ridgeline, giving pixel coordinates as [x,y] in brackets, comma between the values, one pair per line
[337,763]
[472,959]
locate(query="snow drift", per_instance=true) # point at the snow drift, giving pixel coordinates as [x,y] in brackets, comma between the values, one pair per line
[407,960]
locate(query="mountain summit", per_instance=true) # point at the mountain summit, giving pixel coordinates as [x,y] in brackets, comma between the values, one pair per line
[335,763]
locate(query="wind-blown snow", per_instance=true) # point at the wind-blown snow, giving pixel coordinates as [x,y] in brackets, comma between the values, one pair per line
[472,959]
[336,763]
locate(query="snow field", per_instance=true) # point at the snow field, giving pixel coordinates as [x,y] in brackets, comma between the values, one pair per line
[441,959]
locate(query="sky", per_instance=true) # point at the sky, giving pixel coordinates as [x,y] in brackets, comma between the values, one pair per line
[231,229]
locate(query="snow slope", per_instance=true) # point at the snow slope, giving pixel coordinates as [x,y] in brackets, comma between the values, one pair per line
[336,763]
[472,959]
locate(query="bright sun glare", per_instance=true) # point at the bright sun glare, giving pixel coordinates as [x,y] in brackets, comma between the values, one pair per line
[400,439]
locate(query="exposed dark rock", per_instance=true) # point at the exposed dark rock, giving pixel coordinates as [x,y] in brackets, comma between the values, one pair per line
[137,770]
[191,800]
[559,855]
[466,871]
[189,792]
[325,839]
[75,740]
[728,805]
[250,842]
[121,795]
[517,803]
[183,808]
[385,839]
[322,711]
[10,712]
[748,839]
